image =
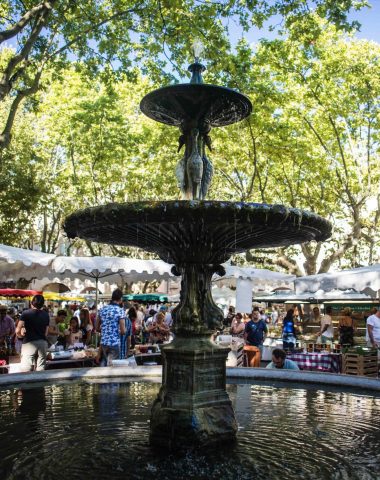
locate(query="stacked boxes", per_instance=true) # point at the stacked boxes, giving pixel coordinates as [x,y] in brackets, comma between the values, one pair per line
[365,364]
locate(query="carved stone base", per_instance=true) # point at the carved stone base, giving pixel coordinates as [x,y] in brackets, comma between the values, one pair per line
[192,407]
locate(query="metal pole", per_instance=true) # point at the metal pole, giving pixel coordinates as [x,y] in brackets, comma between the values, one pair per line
[96,308]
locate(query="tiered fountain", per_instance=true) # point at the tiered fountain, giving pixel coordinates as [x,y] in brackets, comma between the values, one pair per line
[197,236]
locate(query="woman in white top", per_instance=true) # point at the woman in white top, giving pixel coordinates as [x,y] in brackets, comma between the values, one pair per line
[237,326]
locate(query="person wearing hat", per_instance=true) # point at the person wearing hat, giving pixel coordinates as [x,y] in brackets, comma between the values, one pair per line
[33,327]
[373,329]
[7,325]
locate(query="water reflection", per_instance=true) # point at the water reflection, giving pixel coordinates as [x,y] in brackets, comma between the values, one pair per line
[101,429]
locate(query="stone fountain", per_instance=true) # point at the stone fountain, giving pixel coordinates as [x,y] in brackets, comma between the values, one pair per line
[197,236]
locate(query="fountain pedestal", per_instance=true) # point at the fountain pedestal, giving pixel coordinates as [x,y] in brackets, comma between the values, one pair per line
[193,407]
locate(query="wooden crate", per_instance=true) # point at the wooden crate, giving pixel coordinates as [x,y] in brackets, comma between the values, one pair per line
[355,364]
[235,356]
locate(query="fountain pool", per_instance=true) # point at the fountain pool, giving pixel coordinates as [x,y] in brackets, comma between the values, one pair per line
[100,429]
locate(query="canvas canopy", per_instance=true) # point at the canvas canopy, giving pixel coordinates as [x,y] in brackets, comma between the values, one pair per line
[364,280]
[18,293]
[259,276]
[17,263]
[114,269]
[313,297]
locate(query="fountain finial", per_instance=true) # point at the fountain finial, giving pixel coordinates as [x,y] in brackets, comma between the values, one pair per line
[196,68]
[197,48]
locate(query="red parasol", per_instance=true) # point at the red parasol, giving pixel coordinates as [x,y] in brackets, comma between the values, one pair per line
[14,292]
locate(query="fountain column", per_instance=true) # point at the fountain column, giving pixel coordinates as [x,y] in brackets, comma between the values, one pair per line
[193,407]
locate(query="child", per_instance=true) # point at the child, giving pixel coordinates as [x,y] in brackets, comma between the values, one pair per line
[73,334]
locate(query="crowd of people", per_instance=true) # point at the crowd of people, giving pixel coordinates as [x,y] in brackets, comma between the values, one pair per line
[121,326]
[121,329]
[253,328]
[291,324]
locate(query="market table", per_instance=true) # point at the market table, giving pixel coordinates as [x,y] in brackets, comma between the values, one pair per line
[70,363]
[142,358]
[326,362]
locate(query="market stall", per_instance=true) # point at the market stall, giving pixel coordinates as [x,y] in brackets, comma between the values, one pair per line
[324,362]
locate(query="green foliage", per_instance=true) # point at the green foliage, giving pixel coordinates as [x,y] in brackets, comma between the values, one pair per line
[313,138]
[21,187]
[311,142]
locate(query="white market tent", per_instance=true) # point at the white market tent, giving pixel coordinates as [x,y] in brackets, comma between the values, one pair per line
[363,280]
[15,262]
[260,277]
[18,263]
[333,296]
[115,267]
[247,279]
[21,263]
[221,295]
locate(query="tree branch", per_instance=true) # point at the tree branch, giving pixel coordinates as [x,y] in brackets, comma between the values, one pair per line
[117,16]
[5,136]
[5,83]
[15,29]
[350,241]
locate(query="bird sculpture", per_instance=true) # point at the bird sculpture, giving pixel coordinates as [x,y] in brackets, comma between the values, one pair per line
[194,171]
[180,170]
[194,166]
[208,169]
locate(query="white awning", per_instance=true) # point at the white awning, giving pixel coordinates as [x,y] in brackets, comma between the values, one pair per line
[21,256]
[259,276]
[107,267]
[364,279]
[18,263]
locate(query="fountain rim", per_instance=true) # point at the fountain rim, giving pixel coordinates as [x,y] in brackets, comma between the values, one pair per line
[144,206]
[171,208]
[154,373]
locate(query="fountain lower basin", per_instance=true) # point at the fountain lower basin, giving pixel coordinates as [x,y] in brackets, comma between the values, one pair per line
[100,427]
[197,231]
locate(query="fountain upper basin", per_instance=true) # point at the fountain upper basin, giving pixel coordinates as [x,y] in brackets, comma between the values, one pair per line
[178,104]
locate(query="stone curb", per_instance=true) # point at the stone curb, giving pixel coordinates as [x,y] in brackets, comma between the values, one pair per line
[242,374]
[80,373]
[315,378]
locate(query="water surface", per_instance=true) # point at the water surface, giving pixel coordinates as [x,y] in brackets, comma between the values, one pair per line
[100,430]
